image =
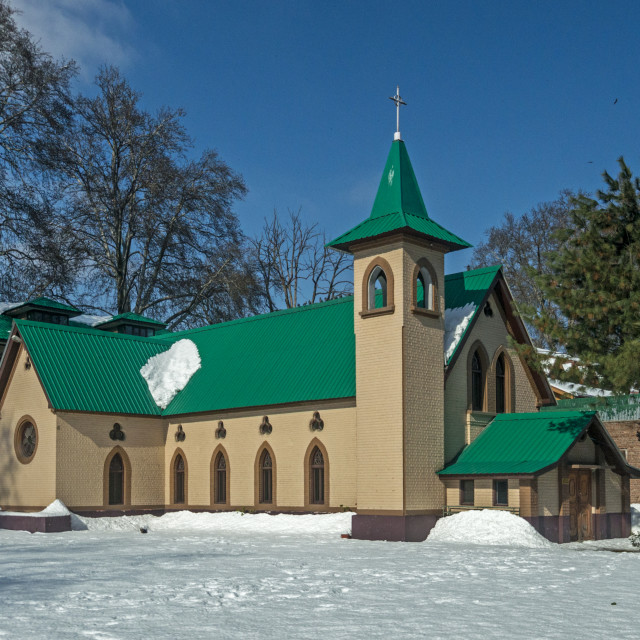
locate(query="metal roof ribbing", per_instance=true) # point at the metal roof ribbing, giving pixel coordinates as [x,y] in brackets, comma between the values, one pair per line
[521,443]
[398,207]
[91,370]
[135,317]
[306,353]
[468,287]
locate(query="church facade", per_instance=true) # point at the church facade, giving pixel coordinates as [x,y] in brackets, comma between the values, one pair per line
[402,403]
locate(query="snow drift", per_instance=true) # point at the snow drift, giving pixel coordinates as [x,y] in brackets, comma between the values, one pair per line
[455,324]
[168,373]
[487,527]
[56,508]
[331,524]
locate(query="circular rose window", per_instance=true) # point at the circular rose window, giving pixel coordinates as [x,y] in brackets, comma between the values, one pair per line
[26,441]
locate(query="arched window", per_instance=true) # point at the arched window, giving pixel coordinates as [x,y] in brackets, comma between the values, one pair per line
[501,387]
[377,289]
[179,480]
[116,480]
[424,290]
[477,383]
[220,479]
[266,478]
[316,478]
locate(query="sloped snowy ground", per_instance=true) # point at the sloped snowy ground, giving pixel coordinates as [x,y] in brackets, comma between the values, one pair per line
[258,576]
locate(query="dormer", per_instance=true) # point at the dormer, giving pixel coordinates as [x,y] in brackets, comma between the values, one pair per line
[43,310]
[132,324]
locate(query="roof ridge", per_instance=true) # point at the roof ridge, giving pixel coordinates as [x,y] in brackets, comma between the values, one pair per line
[49,326]
[261,316]
[461,274]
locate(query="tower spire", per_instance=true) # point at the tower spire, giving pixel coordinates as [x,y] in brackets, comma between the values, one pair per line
[398,100]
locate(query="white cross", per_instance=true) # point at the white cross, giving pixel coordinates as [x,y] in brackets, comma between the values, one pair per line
[398,100]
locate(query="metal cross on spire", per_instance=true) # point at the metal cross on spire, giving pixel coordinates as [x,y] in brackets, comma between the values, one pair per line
[398,100]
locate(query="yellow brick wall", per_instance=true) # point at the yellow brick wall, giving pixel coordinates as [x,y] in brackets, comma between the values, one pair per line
[492,333]
[379,458]
[514,492]
[423,389]
[548,494]
[483,491]
[83,444]
[29,485]
[289,440]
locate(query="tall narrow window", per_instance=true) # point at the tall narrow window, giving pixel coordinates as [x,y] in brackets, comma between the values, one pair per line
[116,480]
[500,384]
[221,479]
[179,480]
[316,484]
[466,492]
[377,289]
[266,478]
[477,383]
[424,290]
[500,493]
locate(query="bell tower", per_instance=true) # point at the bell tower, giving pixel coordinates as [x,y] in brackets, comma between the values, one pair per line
[399,329]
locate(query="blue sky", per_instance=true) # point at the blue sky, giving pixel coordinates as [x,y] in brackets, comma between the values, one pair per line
[508,102]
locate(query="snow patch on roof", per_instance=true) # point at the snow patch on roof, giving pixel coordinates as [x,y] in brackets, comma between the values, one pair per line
[487,527]
[455,324]
[579,389]
[7,306]
[169,372]
[91,320]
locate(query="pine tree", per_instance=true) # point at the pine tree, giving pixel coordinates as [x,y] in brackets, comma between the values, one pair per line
[594,280]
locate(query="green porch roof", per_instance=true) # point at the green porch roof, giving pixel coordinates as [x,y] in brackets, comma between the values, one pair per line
[516,443]
[399,207]
[294,355]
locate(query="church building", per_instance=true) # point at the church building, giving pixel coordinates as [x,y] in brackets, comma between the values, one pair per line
[403,403]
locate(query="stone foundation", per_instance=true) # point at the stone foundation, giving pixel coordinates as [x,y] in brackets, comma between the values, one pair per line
[36,524]
[392,528]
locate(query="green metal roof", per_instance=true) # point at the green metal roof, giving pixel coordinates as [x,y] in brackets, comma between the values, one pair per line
[294,355]
[516,443]
[129,316]
[43,302]
[398,207]
[5,326]
[306,353]
[89,369]
[468,287]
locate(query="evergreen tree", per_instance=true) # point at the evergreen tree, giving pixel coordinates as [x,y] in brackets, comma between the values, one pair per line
[594,280]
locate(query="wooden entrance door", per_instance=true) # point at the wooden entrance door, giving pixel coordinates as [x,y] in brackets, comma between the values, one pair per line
[580,504]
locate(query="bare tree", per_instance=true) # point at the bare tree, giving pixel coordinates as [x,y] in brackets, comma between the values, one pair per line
[522,245]
[295,265]
[156,228]
[36,254]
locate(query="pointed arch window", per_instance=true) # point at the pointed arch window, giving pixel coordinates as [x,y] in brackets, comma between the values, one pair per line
[377,289]
[179,480]
[501,387]
[116,480]
[424,290]
[316,479]
[477,383]
[266,478]
[220,479]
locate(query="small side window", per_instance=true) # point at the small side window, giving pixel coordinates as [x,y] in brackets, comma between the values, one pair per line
[466,492]
[377,289]
[500,493]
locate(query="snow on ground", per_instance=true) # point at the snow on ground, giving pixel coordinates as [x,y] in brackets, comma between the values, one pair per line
[635,518]
[455,324]
[487,527]
[56,508]
[275,578]
[169,371]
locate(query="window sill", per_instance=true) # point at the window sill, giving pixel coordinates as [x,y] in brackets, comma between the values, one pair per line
[384,311]
[429,313]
